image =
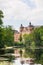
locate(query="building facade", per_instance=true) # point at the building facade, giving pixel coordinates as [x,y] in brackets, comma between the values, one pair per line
[23,30]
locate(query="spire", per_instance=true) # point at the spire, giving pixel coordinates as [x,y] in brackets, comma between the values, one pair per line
[21,26]
[30,23]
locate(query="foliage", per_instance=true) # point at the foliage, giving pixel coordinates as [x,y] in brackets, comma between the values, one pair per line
[6,39]
[34,44]
[1,30]
[20,38]
[1,16]
[28,43]
[19,44]
[9,50]
[8,36]
[11,58]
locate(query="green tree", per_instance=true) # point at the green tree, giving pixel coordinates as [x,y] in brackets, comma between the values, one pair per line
[1,36]
[34,44]
[6,39]
[8,36]
[1,30]
[1,16]
[20,38]
[38,44]
[28,38]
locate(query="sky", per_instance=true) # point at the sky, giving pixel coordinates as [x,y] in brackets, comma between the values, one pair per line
[17,12]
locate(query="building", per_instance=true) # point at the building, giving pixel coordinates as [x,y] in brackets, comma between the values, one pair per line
[23,30]
[16,36]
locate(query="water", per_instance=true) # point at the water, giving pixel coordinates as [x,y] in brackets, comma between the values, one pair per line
[18,62]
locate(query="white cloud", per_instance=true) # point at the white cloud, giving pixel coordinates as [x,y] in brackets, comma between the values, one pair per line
[37,13]
[18,10]
[14,8]
[39,3]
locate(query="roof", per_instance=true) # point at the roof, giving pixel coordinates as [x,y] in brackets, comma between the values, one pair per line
[15,31]
[30,25]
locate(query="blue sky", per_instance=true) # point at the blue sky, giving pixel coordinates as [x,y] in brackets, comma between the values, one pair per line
[18,12]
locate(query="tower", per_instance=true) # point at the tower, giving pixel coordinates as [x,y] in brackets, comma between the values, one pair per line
[21,28]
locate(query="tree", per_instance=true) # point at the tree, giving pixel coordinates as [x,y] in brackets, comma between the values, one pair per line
[33,43]
[38,44]
[1,37]
[6,39]
[8,36]
[1,16]
[1,30]
[20,38]
[28,41]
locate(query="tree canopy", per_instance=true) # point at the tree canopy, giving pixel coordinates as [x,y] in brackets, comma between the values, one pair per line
[1,16]
[34,44]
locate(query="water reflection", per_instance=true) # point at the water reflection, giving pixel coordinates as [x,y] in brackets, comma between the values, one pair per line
[17,61]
